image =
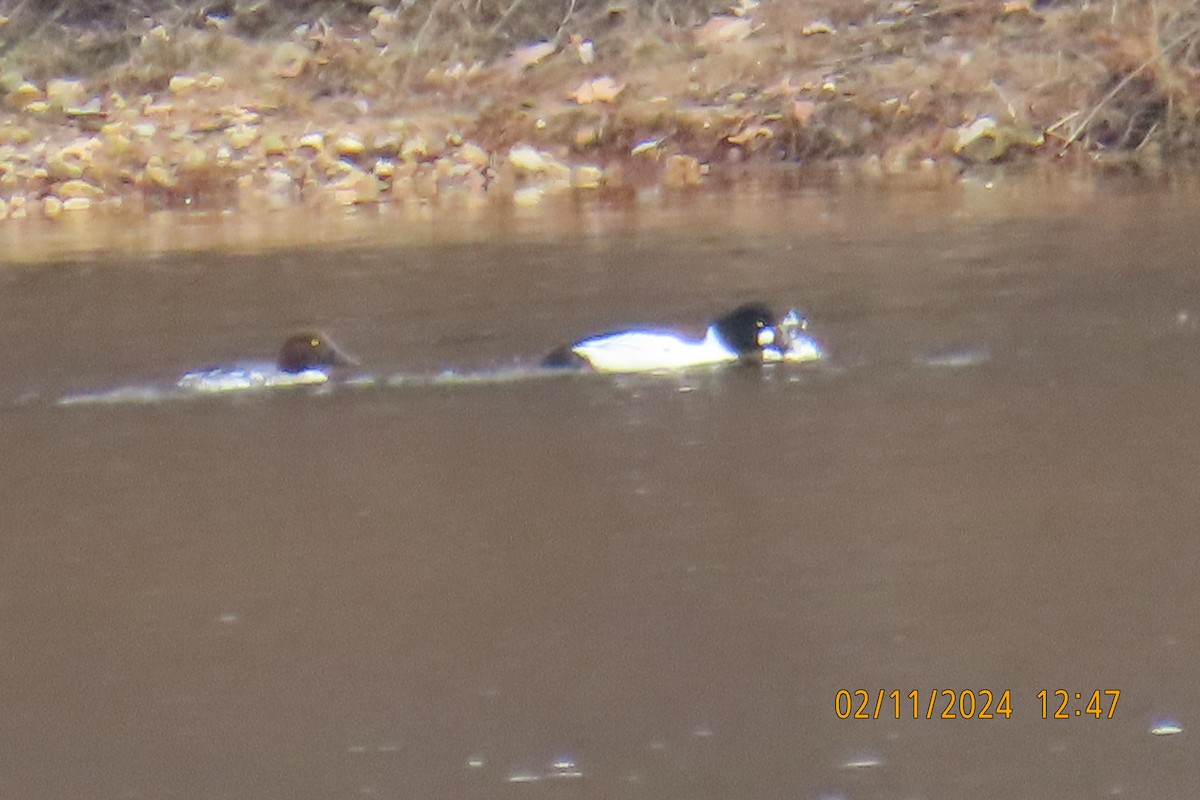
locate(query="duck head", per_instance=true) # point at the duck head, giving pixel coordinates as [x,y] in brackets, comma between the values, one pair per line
[311,350]
[748,329]
[755,334]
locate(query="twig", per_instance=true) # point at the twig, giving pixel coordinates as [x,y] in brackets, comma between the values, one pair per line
[416,47]
[1012,112]
[1062,122]
[1146,138]
[1121,84]
[563,24]
[504,17]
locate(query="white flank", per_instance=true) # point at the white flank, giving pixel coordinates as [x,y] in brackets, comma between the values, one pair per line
[650,351]
[248,376]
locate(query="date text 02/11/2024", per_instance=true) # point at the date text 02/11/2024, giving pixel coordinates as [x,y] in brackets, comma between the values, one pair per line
[970,704]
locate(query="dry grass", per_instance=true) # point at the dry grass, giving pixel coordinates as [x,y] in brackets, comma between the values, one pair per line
[1121,75]
[45,35]
[897,87]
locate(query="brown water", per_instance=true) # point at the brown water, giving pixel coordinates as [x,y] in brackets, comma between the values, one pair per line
[659,583]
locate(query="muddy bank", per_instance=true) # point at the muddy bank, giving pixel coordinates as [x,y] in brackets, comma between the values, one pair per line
[239,106]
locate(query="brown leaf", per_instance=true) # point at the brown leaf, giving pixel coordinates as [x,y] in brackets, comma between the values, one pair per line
[803,111]
[723,30]
[750,133]
[532,54]
[599,90]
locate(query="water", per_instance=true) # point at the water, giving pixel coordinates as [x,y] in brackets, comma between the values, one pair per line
[615,587]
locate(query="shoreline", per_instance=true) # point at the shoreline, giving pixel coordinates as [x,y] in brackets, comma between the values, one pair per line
[755,206]
[350,115]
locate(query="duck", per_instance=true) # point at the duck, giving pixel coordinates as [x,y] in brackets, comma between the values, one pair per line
[749,334]
[305,359]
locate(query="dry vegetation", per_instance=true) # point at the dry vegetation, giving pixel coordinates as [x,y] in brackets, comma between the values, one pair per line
[237,103]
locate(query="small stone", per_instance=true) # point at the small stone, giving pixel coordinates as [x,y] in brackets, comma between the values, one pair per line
[89,110]
[181,84]
[414,148]
[586,50]
[243,116]
[982,127]
[587,177]
[384,168]
[242,136]
[62,92]
[586,136]
[156,172]
[473,154]
[52,206]
[402,186]
[557,177]
[24,94]
[15,134]
[195,159]
[425,183]
[117,145]
[722,30]
[61,169]
[10,80]
[77,188]
[648,147]
[313,141]
[289,59]
[282,190]
[528,196]
[528,159]
[598,90]
[682,171]
[274,144]
[818,26]
[803,111]
[77,204]
[749,134]
[532,54]
[356,187]
[349,145]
